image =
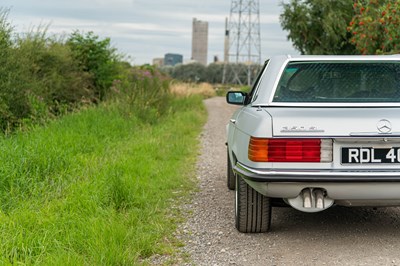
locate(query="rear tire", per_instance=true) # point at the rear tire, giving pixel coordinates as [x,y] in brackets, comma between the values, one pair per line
[252,210]
[231,177]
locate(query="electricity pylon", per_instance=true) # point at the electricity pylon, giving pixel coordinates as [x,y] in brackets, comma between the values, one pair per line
[242,57]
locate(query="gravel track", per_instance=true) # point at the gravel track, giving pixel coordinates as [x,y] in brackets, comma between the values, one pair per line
[337,236]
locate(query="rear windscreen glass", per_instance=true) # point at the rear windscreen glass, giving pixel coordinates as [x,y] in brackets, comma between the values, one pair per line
[339,82]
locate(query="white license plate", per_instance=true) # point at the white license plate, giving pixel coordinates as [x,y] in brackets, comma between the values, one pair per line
[366,155]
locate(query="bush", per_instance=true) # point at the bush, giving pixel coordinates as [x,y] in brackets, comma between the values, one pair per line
[42,77]
[194,72]
[214,73]
[13,101]
[54,75]
[145,88]
[95,57]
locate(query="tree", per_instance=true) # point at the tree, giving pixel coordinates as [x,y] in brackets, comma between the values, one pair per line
[375,26]
[318,26]
[194,72]
[214,73]
[96,57]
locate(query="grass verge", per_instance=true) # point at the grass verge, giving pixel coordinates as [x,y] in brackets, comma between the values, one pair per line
[97,187]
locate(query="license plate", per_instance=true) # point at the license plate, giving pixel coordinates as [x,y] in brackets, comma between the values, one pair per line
[367,155]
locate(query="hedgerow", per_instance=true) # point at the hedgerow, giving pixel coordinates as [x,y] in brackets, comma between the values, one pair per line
[42,77]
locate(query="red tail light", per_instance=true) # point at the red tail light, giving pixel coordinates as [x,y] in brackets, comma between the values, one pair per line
[290,150]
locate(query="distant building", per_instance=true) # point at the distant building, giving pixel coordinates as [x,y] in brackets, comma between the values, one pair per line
[173,59]
[200,41]
[158,62]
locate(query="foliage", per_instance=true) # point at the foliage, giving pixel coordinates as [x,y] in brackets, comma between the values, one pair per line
[194,72]
[43,77]
[375,26]
[84,190]
[13,102]
[53,74]
[146,88]
[213,73]
[96,57]
[39,79]
[180,89]
[318,26]
[98,187]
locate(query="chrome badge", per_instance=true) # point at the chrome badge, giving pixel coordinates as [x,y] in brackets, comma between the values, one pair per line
[301,129]
[384,126]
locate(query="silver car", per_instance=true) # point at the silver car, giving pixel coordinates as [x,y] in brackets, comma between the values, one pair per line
[314,132]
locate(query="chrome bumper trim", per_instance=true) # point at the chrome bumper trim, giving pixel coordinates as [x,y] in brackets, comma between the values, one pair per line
[275,175]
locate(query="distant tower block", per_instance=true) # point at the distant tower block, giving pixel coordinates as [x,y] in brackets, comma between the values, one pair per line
[242,39]
[200,41]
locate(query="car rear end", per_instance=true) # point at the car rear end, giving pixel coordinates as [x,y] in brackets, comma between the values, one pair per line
[326,133]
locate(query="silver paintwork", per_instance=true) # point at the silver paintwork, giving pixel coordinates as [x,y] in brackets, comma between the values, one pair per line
[331,122]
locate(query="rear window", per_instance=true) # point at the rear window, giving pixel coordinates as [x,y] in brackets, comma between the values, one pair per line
[339,82]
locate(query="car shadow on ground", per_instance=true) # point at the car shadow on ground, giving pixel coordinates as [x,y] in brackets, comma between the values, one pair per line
[342,220]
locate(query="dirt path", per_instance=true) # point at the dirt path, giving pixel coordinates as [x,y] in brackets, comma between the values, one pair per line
[338,236]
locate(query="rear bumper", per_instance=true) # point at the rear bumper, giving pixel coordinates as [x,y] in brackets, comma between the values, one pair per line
[348,188]
[296,175]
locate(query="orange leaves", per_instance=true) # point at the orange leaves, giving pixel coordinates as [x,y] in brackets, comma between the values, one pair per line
[374,26]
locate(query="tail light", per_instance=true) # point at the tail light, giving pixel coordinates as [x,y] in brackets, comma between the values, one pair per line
[290,150]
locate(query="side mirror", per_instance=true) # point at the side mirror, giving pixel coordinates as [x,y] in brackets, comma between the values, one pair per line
[236,97]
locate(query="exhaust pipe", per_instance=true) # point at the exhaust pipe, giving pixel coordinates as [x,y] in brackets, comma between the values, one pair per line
[319,199]
[307,201]
[311,200]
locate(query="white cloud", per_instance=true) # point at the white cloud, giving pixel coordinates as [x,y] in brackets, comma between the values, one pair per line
[149,27]
[145,29]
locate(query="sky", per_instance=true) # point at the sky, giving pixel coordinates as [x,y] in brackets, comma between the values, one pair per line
[145,29]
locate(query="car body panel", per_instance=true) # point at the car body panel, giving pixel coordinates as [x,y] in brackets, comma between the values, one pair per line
[332,122]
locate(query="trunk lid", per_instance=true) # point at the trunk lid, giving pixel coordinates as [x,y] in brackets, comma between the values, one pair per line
[334,122]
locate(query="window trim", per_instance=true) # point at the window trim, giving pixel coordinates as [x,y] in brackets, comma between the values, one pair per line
[256,86]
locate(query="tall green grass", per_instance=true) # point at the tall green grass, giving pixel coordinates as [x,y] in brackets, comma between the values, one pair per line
[97,187]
